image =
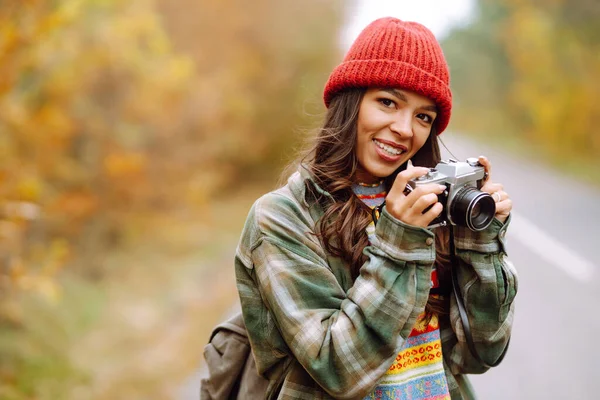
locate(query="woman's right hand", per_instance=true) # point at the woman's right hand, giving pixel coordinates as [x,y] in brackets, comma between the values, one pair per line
[409,208]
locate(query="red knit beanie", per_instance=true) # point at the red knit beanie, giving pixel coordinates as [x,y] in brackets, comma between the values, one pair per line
[397,54]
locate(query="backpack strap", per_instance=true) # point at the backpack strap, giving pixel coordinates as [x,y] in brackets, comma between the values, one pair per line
[234,324]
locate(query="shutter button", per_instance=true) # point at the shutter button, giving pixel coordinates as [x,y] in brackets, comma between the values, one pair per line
[429,241]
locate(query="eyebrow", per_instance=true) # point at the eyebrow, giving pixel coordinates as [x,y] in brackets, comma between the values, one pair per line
[397,93]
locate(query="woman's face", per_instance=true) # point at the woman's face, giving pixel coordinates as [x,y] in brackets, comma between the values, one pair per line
[393,124]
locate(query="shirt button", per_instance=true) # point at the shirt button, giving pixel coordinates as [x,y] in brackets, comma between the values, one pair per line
[429,241]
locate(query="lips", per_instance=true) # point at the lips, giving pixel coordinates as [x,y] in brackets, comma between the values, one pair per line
[389,149]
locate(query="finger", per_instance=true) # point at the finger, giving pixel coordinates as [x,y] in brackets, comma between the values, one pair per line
[504,207]
[395,200]
[500,195]
[402,179]
[426,218]
[497,197]
[487,165]
[491,187]
[423,202]
[423,190]
[410,208]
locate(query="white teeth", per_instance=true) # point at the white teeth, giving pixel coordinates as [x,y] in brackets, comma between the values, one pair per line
[388,149]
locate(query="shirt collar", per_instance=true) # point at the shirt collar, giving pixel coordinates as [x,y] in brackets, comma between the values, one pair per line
[298,182]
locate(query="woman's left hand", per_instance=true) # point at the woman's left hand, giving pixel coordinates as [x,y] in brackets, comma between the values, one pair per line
[503,201]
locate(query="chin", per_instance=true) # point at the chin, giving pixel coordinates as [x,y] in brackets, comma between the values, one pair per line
[383,173]
[386,172]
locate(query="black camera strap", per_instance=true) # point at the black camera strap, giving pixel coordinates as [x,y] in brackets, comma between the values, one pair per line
[463,311]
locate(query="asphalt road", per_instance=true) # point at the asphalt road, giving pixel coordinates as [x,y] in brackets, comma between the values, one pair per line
[551,242]
[553,234]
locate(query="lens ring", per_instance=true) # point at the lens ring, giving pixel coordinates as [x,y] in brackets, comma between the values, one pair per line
[480,212]
[472,208]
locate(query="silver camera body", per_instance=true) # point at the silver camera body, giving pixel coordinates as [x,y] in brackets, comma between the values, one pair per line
[464,204]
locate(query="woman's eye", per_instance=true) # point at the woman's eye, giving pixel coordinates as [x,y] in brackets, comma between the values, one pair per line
[387,102]
[425,117]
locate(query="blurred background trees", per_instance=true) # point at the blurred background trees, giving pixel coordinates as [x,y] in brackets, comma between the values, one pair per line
[118,121]
[130,130]
[528,70]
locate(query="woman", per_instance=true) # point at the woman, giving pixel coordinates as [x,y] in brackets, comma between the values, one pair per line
[338,307]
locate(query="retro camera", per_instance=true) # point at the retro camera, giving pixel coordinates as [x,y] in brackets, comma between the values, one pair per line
[464,204]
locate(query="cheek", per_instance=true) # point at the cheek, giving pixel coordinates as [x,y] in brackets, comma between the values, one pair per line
[366,127]
[362,142]
[370,119]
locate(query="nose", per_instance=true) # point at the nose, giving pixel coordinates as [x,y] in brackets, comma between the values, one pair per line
[402,125]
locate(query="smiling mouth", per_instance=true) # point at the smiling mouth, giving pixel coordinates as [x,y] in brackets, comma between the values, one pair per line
[391,150]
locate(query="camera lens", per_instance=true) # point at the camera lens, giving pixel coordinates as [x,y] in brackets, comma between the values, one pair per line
[476,211]
[472,208]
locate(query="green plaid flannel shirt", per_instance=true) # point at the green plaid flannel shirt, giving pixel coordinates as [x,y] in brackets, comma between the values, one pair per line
[317,334]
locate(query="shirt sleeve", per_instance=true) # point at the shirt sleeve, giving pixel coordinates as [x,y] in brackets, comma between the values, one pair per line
[488,282]
[344,340]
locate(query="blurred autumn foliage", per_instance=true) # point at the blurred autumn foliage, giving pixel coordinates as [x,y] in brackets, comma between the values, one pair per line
[86,95]
[529,69]
[119,120]
[127,127]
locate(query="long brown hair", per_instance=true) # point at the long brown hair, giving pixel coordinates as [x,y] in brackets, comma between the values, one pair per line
[333,163]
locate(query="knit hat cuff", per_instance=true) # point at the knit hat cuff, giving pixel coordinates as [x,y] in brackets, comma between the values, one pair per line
[392,74]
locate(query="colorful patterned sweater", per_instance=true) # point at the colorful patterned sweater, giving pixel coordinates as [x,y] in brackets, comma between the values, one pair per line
[418,371]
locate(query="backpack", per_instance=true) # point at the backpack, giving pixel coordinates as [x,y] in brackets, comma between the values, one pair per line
[232,372]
